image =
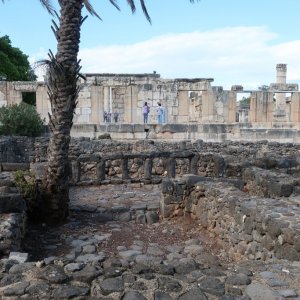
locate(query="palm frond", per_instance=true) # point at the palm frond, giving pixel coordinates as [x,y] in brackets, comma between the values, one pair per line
[48,5]
[90,8]
[114,3]
[145,11]
[144,8]
[132,5]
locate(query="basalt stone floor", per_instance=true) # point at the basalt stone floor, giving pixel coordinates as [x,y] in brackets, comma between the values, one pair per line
[113,246]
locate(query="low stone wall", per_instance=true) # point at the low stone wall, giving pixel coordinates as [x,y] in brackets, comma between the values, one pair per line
[145,167]
[211,132]
[28,150]
[251,226]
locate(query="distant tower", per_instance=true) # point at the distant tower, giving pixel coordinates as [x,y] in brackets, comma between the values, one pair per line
[280,97]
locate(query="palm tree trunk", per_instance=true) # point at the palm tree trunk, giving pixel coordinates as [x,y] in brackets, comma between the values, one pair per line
[63,91]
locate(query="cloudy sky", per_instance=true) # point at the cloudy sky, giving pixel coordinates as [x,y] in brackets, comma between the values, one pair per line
[232,41]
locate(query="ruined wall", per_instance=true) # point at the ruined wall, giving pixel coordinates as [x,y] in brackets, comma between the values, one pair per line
[118,99]
[255,227]
[246,194]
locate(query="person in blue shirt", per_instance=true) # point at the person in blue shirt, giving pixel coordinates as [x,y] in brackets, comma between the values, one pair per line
[160,113]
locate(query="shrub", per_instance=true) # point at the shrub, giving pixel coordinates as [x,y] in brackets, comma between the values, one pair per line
[20,119]
[26,183]
[104,136]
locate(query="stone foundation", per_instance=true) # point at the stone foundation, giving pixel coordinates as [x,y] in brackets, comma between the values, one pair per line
[246,194]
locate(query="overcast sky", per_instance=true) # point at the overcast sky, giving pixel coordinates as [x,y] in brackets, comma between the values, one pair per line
[232,41]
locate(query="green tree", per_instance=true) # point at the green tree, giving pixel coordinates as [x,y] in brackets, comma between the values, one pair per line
[14,64]
[64,71]
[245,101]
[20,119]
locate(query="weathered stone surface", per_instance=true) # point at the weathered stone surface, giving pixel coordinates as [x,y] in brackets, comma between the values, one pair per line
[18,256]
[87,274]
[238,279]
[212,286]
[159,295]
[168,284]
[15,289]
[132,295]
[185,266]
[193,294]
[21,268]
[112,285]
[86,258]
[70,291]
[258,291]
[53,274]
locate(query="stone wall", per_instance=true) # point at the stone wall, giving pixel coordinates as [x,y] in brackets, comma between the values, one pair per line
[12,215]
[16,149]
[246,194]
[255,227]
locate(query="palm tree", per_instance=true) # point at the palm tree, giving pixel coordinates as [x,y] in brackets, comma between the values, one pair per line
[64,71]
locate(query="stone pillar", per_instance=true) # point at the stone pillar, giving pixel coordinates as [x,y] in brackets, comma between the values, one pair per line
[261,107]
[76,171]
[171,167]
[42,102]
[295,107]
[280,112]
[106,90]
[231,107]
[130,105]
[208,106]
[96,105]
[125,173]
[183,107]
[193,167]
[100,170]
[148,168]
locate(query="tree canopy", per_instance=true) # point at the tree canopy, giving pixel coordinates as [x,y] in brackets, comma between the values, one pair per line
[14,64]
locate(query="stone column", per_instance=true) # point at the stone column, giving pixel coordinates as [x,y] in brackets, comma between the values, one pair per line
[208,106]
[106,98]
[171,167]
[193,167]
[148,168]
[76,171]
[100,170]
[125,173]
[261,107]
[295,107]
[96,107]
[280,112]
[42,102]
[183,107]
[231,107]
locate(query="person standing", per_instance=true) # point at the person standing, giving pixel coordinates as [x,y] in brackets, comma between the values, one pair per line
[160,112]
[146,110]
[116,116]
